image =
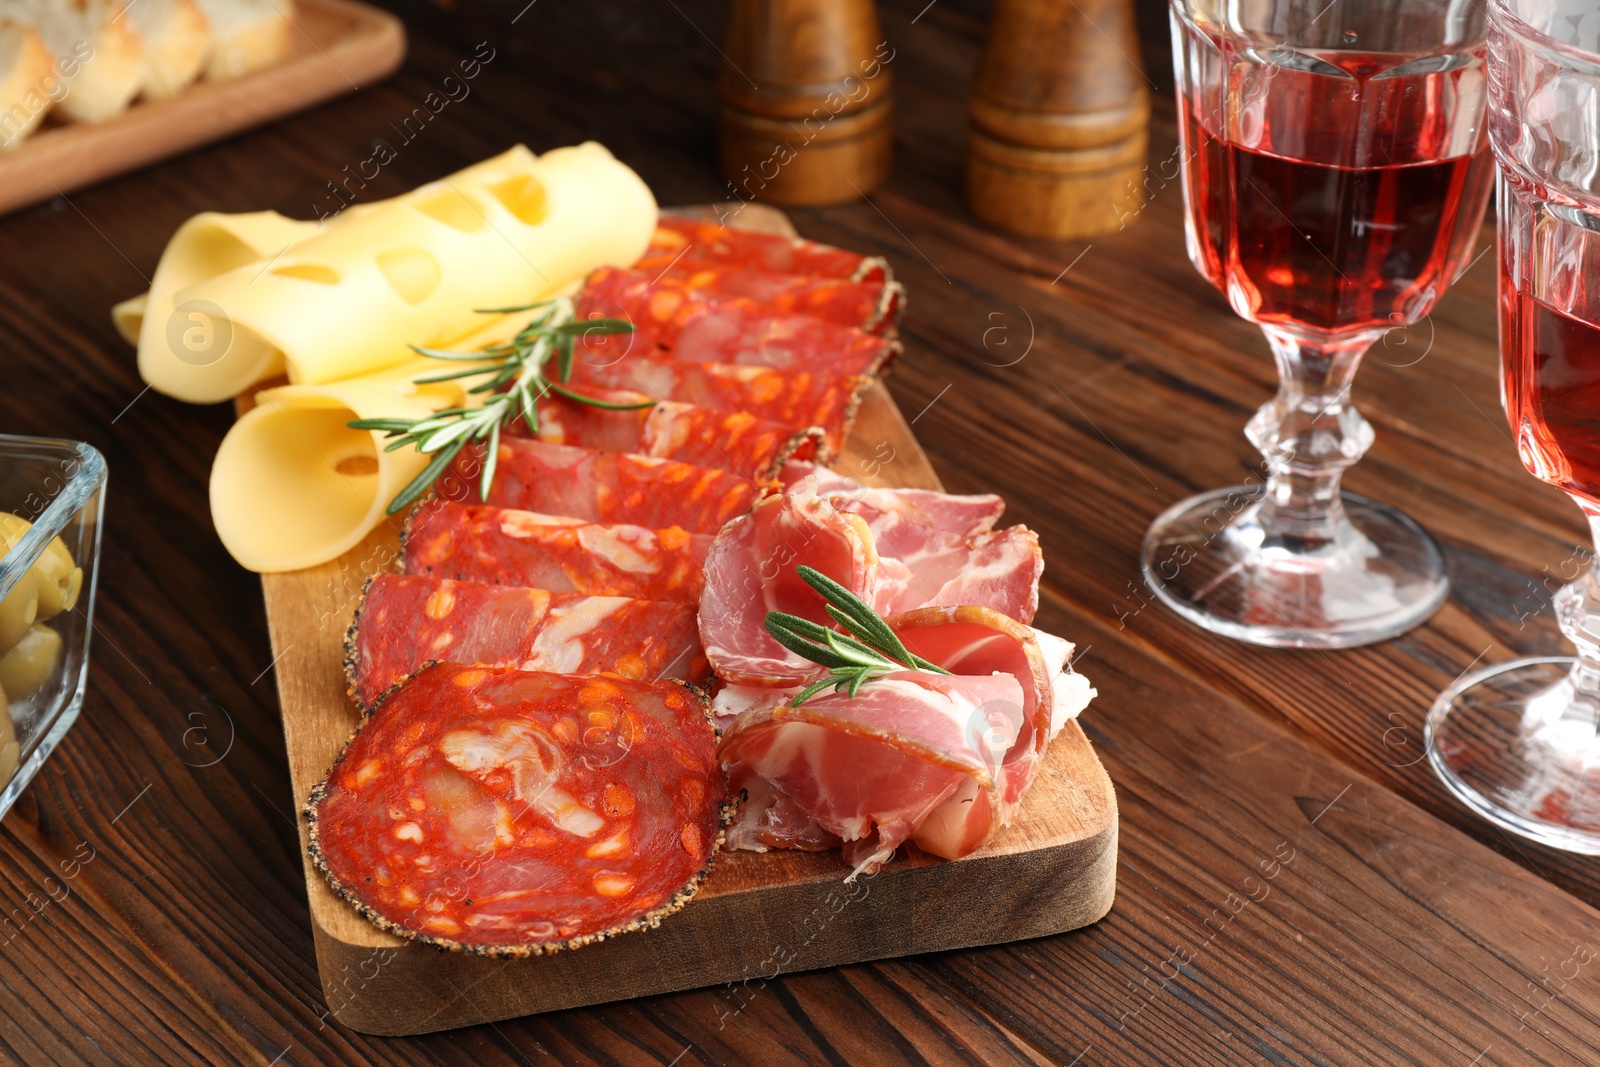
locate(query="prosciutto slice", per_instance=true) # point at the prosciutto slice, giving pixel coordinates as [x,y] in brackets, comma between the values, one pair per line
[736,441]
[895,512]
[913,756]
[610,487]
[685,243]
[504,546]
[1011,692]
[407,620]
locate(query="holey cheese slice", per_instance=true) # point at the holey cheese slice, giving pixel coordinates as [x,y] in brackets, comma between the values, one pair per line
[293,486]
[350,299]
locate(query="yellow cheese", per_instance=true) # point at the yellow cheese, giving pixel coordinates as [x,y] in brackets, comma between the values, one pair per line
[293,486]
[350,299]
[192,353]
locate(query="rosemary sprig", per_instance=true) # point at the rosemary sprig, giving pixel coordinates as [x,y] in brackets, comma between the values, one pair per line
[516,382]
[868,650]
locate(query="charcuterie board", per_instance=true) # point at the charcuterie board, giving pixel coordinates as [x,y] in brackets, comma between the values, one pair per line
[339,46]
[759,915]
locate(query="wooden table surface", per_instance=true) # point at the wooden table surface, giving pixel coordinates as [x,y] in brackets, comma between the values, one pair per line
[1294,887]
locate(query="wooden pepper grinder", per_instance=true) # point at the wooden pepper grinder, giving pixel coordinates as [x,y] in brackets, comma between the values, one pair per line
[1059,116]
[805,90]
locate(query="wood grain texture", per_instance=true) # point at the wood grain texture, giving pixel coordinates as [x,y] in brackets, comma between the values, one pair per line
[1404,931]
[338,46]
[758,915]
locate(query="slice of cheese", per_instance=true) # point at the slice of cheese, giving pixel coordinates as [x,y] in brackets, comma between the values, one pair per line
[293,486]
[262,294]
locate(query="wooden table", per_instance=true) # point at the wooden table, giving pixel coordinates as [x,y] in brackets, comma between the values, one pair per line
[1295,887]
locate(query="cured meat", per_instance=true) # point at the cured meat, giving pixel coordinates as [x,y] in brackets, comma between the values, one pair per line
[724,332]
[750,571]
[504,546]
[407,620]
[685,243]
[610,487]
[912,756]
[890,511]
[661,305]
[802,784]
[798,398]
[512,813]
[671,429]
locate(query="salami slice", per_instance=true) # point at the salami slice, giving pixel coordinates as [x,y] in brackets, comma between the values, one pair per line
[799,398]
[705,331]
[510,813]
[504,546]
[661,305]
[685,243]
[671,429]
[609,487]
[406,620]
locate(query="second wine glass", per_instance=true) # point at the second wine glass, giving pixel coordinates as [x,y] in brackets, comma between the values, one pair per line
[1336,170]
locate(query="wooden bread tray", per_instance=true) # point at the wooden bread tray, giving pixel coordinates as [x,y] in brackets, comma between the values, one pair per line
[339,46]
[1052,870]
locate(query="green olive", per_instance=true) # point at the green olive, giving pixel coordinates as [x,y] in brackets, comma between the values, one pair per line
[10,751]
[18,610]
[57,578]
[27,667]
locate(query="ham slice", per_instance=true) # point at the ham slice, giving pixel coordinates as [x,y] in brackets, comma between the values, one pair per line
[610,487]
[889,511]
[910,757]
[941,760]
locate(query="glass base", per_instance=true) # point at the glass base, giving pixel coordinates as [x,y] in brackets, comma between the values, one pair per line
[1379,575]
[1502,741]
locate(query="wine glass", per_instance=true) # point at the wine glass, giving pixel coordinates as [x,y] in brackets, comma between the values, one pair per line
[1336,171]
[1517,742]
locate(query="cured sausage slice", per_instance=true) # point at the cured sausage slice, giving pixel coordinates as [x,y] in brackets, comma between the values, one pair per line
[912,756]
[406,620]
[686,243]
[671,429]
[661,305]
[512,813]
[504,546]
[609,487]
[799,398]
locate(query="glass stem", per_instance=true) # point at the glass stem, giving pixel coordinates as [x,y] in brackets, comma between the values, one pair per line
[1577,607]
[1309,433]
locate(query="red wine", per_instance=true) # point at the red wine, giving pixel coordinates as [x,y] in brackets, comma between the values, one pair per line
[1342,197]
[1551,364]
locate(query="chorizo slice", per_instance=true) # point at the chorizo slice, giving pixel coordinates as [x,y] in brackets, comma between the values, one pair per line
[682,242]
[407,620]
[659,306]
[513,813]
[506,546]
[822,399]
[611,487]
[735,441]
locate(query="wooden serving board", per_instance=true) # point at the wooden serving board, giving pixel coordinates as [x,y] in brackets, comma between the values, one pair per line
[339,46]
[758,915]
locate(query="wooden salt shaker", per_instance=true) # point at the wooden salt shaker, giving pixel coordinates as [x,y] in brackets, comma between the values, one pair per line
[805,90]
[1059,115]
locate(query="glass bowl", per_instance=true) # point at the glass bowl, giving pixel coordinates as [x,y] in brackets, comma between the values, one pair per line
[52,494]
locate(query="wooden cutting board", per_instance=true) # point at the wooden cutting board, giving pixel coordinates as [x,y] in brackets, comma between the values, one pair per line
[339,46]
[759,915]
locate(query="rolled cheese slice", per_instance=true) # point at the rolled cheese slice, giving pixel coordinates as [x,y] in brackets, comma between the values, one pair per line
[192,353]
[412,270]
[293,486]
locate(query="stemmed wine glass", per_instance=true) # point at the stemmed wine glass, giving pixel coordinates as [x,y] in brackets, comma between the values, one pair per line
[1336,171]
[1517,742]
